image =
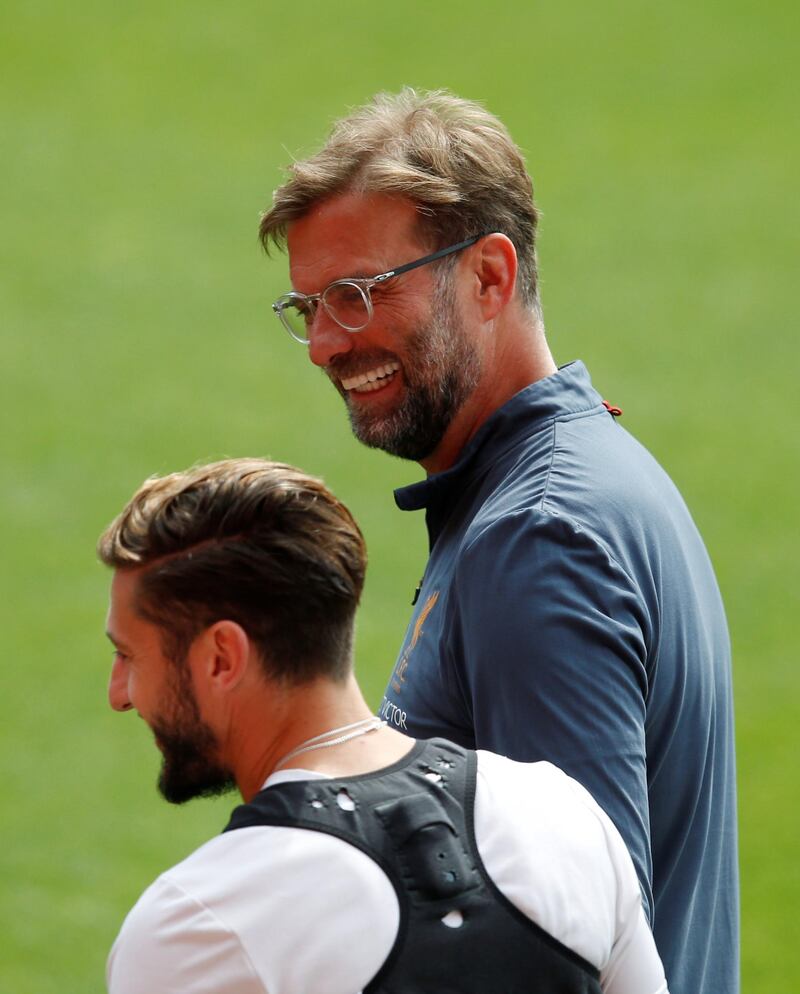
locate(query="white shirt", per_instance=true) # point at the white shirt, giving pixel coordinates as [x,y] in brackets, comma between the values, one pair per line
[268,910]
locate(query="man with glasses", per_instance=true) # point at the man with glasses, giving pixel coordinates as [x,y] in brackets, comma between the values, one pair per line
[568,610]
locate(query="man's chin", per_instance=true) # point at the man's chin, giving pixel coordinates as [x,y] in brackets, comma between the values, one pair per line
[403,432]
[178,785]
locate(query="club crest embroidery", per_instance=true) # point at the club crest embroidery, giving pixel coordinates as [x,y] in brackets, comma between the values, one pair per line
[399,675]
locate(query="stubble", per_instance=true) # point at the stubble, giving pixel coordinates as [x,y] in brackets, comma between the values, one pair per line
[441,369]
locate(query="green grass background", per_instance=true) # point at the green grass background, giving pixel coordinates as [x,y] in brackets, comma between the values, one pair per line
[138,143]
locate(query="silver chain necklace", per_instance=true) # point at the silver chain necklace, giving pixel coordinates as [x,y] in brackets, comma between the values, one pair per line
[351,731]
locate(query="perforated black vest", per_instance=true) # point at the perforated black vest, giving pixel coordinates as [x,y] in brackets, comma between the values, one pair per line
[458,934]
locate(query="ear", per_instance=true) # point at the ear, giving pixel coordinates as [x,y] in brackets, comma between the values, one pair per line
[494,265]
[221,656]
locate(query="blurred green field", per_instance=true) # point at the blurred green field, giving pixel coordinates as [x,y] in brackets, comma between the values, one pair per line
[139,143]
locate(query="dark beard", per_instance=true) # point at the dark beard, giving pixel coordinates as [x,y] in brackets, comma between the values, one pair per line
[441,369]
[188,746]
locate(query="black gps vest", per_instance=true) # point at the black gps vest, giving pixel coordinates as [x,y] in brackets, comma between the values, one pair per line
[458,934]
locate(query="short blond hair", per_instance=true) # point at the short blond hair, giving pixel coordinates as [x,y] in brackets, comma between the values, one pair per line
[451,157]
[254,541]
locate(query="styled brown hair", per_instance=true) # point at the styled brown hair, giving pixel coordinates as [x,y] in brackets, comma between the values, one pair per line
[252,541]
[451,157]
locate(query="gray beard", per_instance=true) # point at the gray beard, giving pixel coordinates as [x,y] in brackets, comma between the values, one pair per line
[441,370]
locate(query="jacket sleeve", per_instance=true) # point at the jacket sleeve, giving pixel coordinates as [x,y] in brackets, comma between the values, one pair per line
[545,640]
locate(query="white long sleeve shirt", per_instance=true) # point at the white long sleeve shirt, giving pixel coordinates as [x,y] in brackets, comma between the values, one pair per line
[269,910]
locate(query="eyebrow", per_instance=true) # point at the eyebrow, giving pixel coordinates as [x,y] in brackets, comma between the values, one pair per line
[359,275]
[115,641]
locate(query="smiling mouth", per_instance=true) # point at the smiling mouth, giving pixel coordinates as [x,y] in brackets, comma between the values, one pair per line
[373,379]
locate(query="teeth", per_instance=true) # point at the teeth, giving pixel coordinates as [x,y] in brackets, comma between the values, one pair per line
[371,380]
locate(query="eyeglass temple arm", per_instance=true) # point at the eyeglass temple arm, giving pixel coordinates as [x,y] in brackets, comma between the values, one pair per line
[428,258]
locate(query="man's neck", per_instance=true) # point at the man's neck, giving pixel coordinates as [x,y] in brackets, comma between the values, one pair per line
[367,753]
[518,360]
[293,716]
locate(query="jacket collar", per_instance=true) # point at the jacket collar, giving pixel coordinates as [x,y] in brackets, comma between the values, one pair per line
[567,392]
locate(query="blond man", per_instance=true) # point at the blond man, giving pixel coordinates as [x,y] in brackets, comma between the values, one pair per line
[361,860]
[568,610]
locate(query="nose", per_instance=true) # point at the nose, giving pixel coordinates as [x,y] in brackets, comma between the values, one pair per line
[327,339]
[118,696]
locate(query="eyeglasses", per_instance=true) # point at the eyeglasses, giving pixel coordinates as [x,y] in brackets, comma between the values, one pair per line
[347,302]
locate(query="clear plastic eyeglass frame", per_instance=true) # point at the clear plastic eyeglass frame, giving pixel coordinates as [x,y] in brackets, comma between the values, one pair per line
[303,307]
